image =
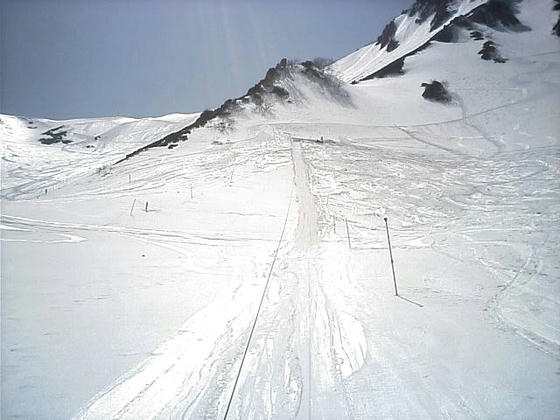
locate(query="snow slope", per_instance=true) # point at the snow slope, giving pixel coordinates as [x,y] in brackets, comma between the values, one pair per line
[411,32]
[258,283]
[29,166]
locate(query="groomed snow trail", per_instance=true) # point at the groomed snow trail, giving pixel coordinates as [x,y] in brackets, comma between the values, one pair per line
[155,308]
[308,344]
[304,346]
[307,233]
[331,341]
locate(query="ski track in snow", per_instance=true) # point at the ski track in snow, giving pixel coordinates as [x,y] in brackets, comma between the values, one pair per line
[306,343]
[318,345]
[311,350]
[306,324]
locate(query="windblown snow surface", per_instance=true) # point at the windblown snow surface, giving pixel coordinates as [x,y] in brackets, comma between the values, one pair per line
[114,308]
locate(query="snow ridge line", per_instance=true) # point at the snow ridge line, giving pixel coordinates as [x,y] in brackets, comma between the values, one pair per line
[260,304]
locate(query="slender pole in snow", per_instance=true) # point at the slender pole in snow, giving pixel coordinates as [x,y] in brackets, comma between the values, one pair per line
[132,208]
[146,209]
[391,255]
[334,223]
[348,234]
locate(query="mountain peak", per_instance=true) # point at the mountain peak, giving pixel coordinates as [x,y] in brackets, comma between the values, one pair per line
[426,21]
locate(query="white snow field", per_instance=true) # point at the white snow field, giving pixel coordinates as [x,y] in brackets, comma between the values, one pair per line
[240,293]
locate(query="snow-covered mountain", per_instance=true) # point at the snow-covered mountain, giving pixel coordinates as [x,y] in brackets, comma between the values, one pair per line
[425,22]
[38,154]
[405,34]
[234,263]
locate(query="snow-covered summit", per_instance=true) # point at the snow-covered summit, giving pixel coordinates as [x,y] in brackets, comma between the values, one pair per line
[414,28]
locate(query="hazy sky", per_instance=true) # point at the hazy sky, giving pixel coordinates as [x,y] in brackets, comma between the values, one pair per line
[85,58]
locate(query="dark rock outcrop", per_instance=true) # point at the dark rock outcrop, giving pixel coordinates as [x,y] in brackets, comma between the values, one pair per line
[393,45]
[556,27]
[280,92]
[499,15]
[393,69]
[387,36]
[449,33]
[489,52]
[436,91]
[477,35]
[55,135]
[437,9]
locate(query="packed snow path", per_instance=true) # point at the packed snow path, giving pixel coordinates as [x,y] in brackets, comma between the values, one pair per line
[331,340]
[116,311]
[283,355]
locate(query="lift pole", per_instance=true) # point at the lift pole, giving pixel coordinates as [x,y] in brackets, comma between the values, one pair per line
[391,255]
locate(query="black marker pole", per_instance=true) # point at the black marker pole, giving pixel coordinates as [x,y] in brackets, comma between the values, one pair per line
[391,255]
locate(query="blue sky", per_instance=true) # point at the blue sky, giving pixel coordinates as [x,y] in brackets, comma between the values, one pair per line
[86,58]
